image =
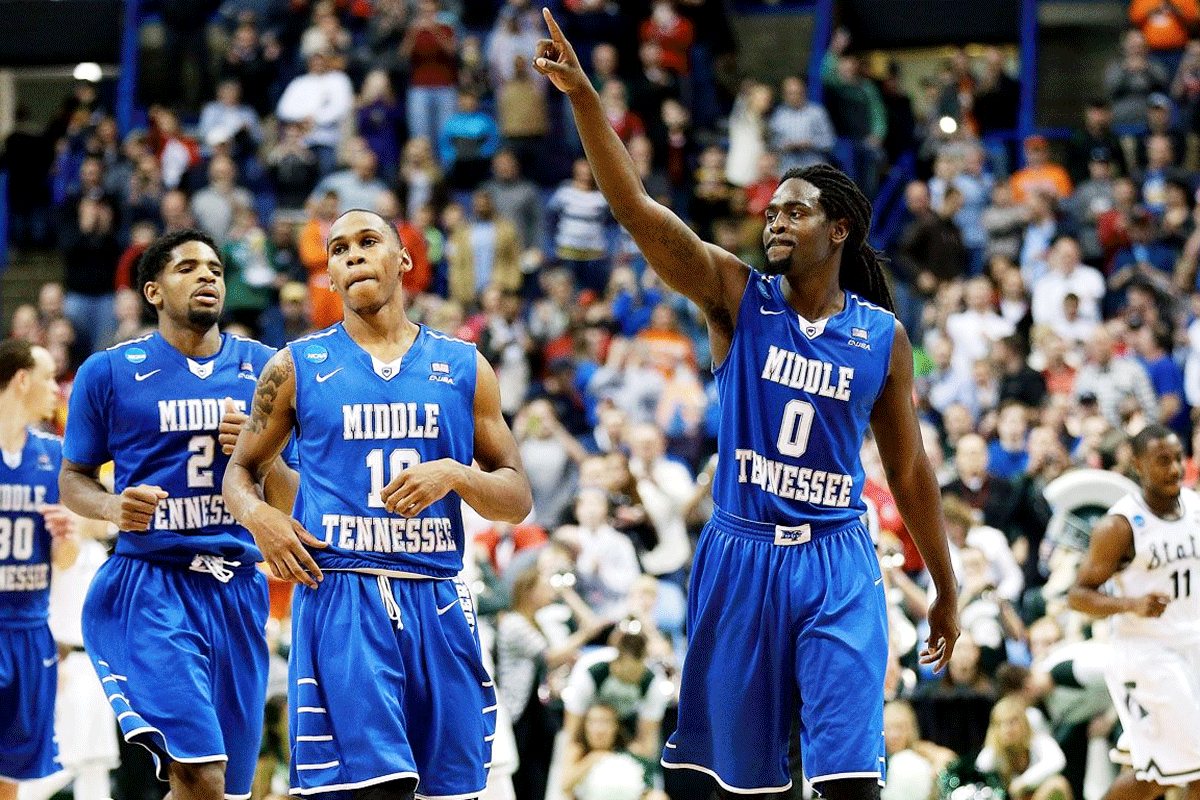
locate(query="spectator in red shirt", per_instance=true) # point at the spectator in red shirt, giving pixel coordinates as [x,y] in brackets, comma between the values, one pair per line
[673,33]
[429,47]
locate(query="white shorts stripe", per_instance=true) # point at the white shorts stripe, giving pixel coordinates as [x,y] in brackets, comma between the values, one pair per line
[310,710]
[726,786]
[326,765]
[126,714]
[303,681]
[342,787]
[326,738]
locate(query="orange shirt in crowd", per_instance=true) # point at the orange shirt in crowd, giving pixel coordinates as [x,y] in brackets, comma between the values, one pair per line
[1164,23]
[1047,178]
[326,305]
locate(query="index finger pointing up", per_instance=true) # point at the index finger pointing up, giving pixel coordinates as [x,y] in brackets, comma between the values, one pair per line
[555,31]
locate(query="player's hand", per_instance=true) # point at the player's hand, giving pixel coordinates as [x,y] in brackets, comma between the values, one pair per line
[420,486]
[556,59]
[136,506]
[60,521]
[1151,605]
[283,541]
[943,632]
[231,425]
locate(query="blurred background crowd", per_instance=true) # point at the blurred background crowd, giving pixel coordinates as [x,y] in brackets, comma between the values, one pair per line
[1049,284]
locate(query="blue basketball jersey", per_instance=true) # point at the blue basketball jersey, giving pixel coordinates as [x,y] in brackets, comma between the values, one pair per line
[25,486]
[796,397]
[359,423]
[155,413]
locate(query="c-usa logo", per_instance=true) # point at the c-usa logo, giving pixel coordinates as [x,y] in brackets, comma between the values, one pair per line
[135,355]
[315,354]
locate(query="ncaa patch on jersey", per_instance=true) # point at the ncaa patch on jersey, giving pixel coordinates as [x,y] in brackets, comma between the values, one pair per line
[1139,520]
[135,355]
[315,354]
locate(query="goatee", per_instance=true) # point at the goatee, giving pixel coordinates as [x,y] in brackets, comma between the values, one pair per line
[203,318]
[779,266]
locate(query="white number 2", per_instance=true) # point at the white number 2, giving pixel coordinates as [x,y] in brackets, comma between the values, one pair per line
[199,476]
[401,459]
[795,428]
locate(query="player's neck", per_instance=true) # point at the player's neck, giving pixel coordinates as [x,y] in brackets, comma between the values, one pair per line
[192,342]
[813,294]
[1166,507]
[12,426]
[386,334]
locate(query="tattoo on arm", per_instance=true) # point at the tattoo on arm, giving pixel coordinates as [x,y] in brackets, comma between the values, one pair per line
[279,370]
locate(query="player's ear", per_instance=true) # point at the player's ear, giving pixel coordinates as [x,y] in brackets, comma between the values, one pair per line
[152,293]
[405,260]
[840,231]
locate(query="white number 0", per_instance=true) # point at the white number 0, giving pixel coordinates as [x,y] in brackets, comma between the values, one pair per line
[795,428]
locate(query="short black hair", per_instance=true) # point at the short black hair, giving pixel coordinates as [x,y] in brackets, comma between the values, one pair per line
[15,355]
[387,226]
[1148,434]
[157,255]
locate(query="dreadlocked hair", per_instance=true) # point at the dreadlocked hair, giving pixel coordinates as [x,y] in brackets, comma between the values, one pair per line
[862,265]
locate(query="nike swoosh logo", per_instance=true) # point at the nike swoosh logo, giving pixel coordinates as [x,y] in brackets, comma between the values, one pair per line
[137,376]
[322,378]
[764,310]
[447,608]
[879,581]
[49,662]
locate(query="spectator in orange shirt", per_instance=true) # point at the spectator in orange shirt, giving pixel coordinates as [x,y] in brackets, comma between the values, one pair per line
[417,279]
[666,345]
[1165,24]
[326,305]
[673,33]
[1040,173]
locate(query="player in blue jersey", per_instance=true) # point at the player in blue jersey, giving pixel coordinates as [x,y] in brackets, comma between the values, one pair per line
[786,608]
[388,696]
[174,621]
[35,534]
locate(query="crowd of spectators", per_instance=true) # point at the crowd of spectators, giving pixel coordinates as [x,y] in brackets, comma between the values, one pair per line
[1051,296]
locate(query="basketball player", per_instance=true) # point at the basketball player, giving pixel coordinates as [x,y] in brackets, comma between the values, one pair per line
[786,598]
[35,533]
[1145,550]
[174,621]
[388,695]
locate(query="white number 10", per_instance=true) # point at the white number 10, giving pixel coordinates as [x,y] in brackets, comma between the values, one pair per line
[401,459]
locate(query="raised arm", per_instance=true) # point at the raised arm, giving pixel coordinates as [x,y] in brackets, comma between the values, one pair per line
[259,443]
[710,276]
[911,479]
[1110,548]
[497,488]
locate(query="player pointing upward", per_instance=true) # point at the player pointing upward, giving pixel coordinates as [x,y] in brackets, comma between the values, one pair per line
[786,602]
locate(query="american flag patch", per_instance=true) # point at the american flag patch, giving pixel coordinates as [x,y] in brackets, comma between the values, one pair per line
[440,366]
[247,367]
[860,333]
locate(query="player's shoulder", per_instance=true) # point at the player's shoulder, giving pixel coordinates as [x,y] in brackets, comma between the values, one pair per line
[452,341]
[247,343]
[871,310]
[314,348]
[46,442]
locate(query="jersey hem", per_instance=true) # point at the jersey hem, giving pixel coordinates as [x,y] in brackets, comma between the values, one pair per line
[344,787]
[727,787]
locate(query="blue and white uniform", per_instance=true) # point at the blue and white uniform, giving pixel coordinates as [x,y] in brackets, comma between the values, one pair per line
[786,608]
[386,681]
[28,654]
[174,621]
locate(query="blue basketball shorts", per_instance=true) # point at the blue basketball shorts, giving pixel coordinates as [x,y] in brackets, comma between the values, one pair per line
[28,683]
[779,620]
[182,657]
[386,683]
